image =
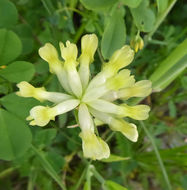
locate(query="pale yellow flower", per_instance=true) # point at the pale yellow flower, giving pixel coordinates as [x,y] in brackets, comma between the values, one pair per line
[93,98]
[137,43]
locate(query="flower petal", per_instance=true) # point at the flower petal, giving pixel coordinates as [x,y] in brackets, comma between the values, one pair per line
[66,106]
[120,80]
[127,129]
[49,53]
[94,147]
[56,97]
[107,107]
[74,81]
[41,115]
[139,89]
[89,45]
[119,59]
[85,120]
[27,90]
[68,53]
[139,112]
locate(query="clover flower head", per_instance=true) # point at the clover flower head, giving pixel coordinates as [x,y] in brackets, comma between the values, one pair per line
[95,99]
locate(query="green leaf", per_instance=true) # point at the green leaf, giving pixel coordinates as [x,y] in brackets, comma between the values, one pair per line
[24,31]
[178,53]
[86,186]
[170,67]
[98,4]
[17,105]
[56,160]
[114,35]
[160,161]
[45,136]
[132,3]
[162,5]
[4,88]
[170,75]
[10,46]
[172,109]
[184,82]
[8,14]
[115,158]
[113,186]
[15,136]
[144,17]
[48,167]
[18,71]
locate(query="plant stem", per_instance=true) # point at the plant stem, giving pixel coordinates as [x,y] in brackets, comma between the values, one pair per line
[99,178]
[47,166]
[110,136]
[88,177]
[64,134]
[7,172]
[71,9]
[45,4]
[160,19]
[80,179]
[79,32]
[157,156]
[97,175]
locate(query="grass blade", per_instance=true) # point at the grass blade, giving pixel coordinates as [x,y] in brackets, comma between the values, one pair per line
[170,75]
[47,166]
[165,175]
[175,56]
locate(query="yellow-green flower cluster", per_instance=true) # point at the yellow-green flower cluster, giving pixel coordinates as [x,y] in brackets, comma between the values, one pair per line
[94,99]
[137,43]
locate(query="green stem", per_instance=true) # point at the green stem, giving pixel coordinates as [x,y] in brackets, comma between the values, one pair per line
[32,179]
[45,4]
[100,56]
[88,177]
[64,134]
[47,166]
[7,172]
[110,136]
[99,178]
[97,175]
[79,32]
[80,179]
[157,156]
[71,9]
[158,42]
[160,19]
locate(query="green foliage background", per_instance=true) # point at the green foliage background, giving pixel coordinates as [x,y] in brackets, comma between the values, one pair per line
[51,158]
